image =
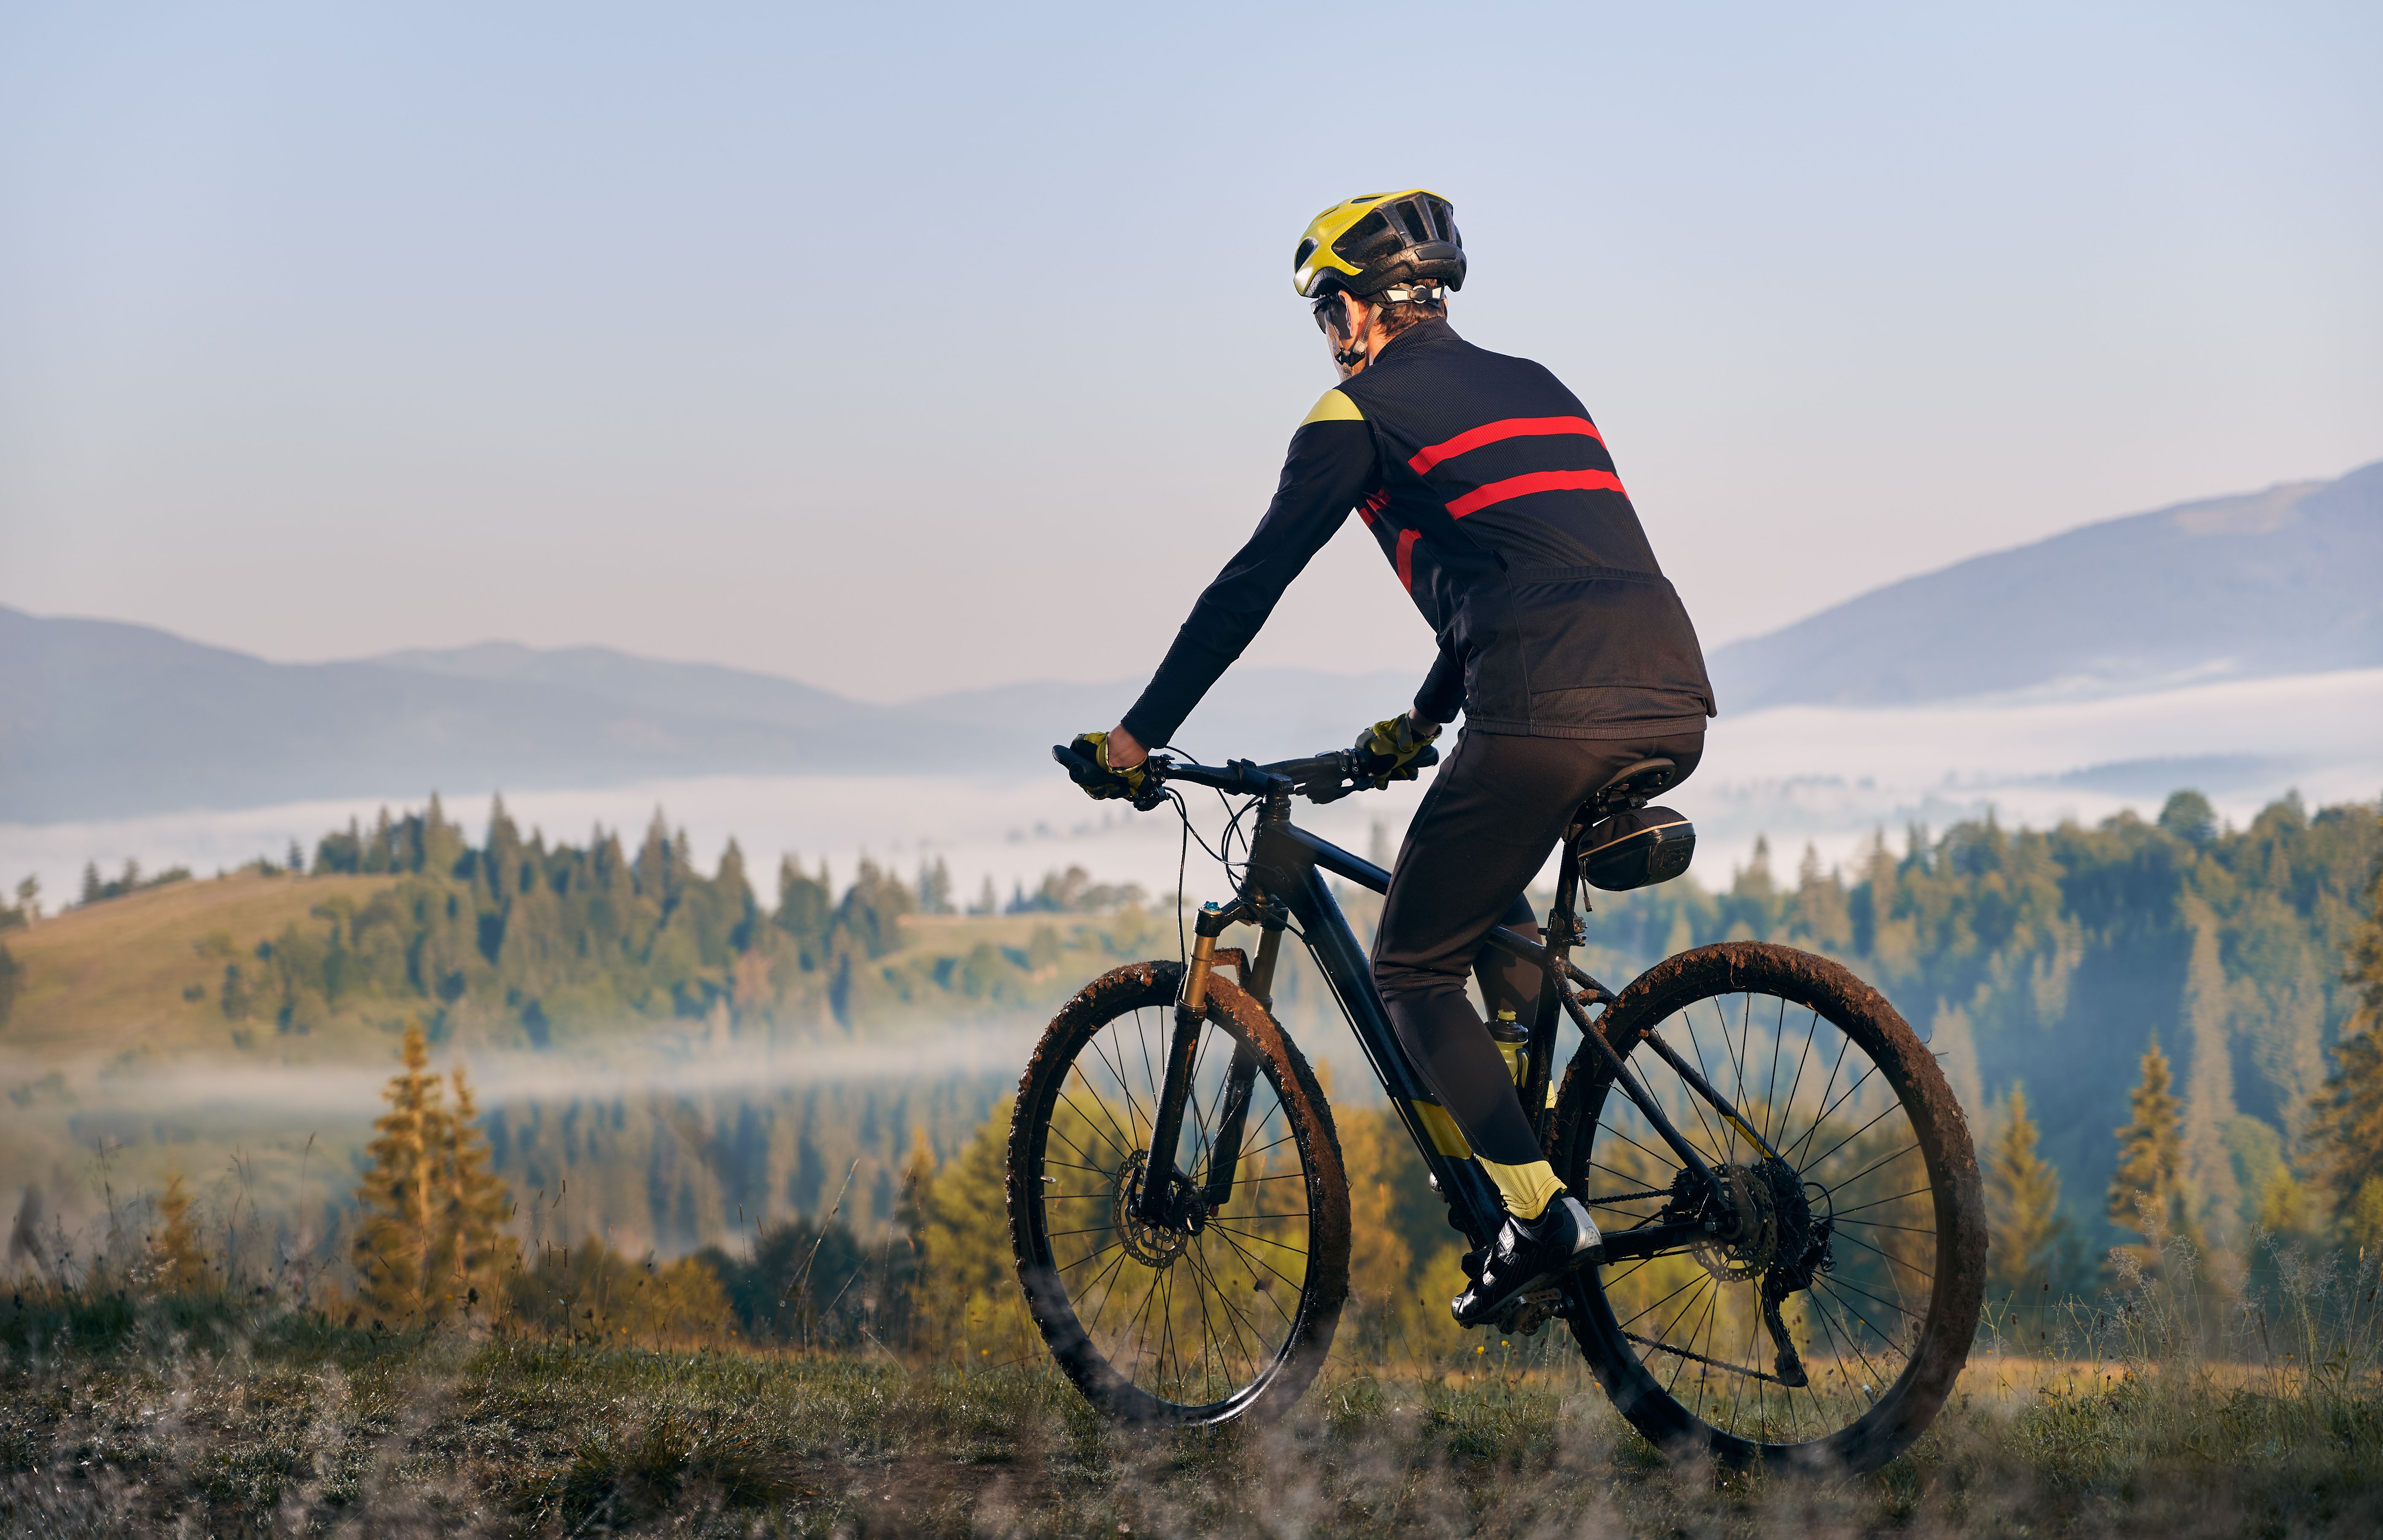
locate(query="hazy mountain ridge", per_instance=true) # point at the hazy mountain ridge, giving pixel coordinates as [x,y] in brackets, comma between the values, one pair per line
[2271,583]
[102,719]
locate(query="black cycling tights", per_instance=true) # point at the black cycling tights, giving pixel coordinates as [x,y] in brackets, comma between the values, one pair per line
[1496,809]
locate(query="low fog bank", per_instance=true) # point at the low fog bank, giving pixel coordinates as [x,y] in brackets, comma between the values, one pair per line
[1828,776]
[631,1065]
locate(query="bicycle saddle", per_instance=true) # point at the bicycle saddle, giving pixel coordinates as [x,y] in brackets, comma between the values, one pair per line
[1624,844]
[1631,786]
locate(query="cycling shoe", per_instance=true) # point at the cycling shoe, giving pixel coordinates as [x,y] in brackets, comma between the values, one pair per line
[1528,1255]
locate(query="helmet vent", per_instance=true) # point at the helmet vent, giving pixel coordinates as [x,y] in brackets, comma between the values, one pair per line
[1299,258]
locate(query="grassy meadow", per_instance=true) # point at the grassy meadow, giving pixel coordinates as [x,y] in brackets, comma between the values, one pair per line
[208,1415]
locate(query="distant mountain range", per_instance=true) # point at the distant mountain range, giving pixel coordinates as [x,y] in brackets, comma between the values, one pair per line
[2285,581]
[103,720]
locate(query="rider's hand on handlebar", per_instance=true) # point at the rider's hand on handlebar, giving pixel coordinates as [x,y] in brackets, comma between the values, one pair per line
[1105,776]
[1386,750]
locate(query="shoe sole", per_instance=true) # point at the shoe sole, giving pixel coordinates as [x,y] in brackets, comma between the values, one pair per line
[1586,1257]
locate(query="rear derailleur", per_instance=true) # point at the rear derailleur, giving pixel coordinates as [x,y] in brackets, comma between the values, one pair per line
[1768,1235]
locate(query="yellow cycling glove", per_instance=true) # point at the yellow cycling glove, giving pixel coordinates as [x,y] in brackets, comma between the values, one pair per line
[1095,747]
[1385,749]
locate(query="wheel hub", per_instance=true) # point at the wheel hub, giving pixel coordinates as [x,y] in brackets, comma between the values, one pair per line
[1752,1239]
[1153,1246]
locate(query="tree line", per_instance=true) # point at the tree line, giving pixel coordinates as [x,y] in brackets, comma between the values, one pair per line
[524,940]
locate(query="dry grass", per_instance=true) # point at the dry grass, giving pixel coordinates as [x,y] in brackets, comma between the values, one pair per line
[128,1417]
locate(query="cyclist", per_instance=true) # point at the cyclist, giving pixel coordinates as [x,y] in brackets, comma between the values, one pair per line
[1491,493]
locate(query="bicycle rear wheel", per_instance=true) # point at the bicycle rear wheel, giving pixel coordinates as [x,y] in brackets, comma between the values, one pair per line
[1229,1307]
[1829,1330]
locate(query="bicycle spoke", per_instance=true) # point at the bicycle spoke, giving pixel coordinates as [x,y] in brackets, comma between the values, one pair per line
[1876,1224]
[1770,1086]
[1877,1203]
[1875,1166]
[1695,1103]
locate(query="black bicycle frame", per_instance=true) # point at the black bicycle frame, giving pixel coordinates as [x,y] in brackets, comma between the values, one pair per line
[1286,881]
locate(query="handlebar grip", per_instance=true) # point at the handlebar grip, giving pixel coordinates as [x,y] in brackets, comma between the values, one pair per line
[1082,771]
[1425,756]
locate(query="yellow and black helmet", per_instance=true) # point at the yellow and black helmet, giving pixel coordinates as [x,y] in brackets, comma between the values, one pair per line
[1378,241]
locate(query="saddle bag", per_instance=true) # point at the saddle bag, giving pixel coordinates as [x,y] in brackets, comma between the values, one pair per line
[1635,847]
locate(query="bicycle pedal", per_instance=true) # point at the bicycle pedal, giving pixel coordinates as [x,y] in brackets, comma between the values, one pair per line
[1527,1314]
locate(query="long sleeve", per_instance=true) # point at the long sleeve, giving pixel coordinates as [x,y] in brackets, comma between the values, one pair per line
[1442,694]
[1331,466]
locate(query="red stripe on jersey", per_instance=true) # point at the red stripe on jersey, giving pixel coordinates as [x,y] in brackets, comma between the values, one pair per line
[1372,505]
[1489,433]
[1537,481]
[1407,537]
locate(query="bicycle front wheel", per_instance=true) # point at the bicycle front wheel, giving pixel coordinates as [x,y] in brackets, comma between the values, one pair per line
[1229,1307]
[1828,1327]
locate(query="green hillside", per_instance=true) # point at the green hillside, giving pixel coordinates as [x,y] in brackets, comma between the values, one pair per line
[675,1058]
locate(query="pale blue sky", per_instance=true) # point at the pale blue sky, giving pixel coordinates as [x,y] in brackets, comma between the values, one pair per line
[907,350]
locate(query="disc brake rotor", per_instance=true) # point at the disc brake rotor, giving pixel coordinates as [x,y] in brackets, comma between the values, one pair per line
[1153,1246]
[1745,1257]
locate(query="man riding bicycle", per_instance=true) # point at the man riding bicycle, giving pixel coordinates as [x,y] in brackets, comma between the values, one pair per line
[1490,491]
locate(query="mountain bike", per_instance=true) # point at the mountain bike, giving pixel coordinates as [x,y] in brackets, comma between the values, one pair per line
[1794,1243]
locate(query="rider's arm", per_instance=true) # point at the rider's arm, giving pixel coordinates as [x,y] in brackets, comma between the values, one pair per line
[1330,468]
[1442,694]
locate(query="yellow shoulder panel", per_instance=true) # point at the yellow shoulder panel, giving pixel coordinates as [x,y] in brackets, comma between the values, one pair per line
[1333,407]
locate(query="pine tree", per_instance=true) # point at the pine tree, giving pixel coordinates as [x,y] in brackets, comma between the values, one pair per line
[443,843]
[395,1246]
[962,1227]
[2022,1203]
[2147,1190]
[91,885]
[2346,1126]
[472,1254]
[2208,1018]
[175,1250]
[432,1245]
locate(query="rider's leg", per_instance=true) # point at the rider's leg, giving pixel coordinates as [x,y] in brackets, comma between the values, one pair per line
[1507,982]
[1495,809]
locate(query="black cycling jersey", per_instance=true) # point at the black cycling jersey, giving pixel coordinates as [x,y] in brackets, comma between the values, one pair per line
[1491,493]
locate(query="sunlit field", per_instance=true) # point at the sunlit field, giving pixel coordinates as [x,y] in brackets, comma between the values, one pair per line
[2115,1416]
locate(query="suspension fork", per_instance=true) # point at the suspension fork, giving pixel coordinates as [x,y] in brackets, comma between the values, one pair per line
[1157,1202]
[1241,1078]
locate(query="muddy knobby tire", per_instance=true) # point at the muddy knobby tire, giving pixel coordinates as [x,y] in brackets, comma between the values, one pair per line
[1240,1370]
[1878,1425]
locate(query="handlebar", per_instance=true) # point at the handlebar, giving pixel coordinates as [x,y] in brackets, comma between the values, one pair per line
[1319,777]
